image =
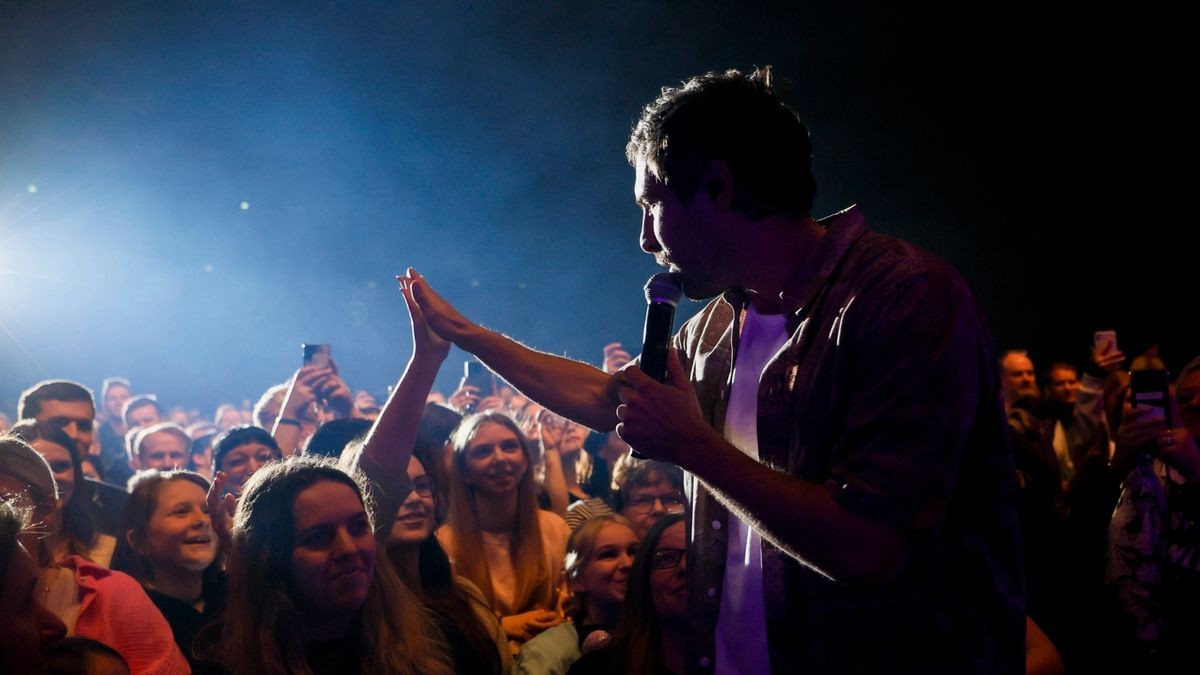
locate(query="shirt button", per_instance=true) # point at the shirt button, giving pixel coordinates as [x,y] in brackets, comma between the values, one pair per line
[716,524]
[704,662]
[712,592]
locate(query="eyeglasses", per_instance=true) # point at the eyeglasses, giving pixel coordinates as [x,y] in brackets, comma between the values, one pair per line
[667,558]
[670,502]
[424,486]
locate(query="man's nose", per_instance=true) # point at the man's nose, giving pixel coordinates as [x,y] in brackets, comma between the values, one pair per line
[649,241]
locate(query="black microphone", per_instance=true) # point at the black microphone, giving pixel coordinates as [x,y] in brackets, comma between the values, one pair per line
[663,291]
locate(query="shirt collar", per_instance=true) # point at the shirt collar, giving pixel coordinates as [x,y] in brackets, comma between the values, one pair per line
[842,230]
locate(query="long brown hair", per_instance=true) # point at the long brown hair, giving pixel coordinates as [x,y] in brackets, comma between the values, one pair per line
[534,580]
[263,626]
[636,638]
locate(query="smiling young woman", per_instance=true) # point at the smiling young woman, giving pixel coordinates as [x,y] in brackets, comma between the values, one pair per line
[600,556]
[496,535]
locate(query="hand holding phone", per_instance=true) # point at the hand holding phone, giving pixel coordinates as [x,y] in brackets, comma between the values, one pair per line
[477,375]
[1152,388]
[1105,353]
[317,354]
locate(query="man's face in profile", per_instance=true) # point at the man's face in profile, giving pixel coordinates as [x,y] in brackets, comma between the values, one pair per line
[682,236]
[74,417]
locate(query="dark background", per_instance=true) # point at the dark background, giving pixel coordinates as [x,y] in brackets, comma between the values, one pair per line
[1041,150]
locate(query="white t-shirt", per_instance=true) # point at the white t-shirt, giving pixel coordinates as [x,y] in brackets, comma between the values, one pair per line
[742,625]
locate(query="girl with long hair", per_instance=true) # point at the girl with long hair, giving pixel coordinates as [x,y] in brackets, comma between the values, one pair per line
[600,555]
[651,633]
[306,594]
[496,535]
[168,545]
[477,643]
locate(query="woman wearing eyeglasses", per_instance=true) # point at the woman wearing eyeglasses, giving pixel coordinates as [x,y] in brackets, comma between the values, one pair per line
[651,633]
[476,642]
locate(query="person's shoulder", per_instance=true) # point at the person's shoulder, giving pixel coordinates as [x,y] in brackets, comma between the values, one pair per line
[891,260]
[551,520]
[469,589]
[445,534]
[563,633]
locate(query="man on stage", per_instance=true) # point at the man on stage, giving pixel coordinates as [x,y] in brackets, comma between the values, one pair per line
[836,406]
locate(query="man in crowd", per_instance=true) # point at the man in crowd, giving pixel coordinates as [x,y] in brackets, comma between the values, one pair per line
[114,392]
[1019,380]
[65,404]
[162,446]
[142,411]
[850,481]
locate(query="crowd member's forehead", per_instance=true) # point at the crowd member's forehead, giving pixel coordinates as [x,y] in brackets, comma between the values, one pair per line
[72,410]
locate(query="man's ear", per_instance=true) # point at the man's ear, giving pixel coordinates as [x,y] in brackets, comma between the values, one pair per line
[717,184]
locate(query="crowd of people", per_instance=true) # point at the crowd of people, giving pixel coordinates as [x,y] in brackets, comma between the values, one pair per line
[513,540]
[855,504]
[416,536]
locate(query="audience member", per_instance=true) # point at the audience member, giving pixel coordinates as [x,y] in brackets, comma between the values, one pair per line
[305,592]
[1154,536]
[168,545]
[241,451]
[227,417]
[163,446]
[64,404]
[114,392]
[600,555]
[495,535]
[91,601]
[29,628]
[142,411]
[651,632]
[77,534]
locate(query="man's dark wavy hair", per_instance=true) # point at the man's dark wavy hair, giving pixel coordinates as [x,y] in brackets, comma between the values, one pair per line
[740,120]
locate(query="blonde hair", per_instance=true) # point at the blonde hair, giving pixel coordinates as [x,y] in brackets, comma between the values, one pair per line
[534,580]
[580,549]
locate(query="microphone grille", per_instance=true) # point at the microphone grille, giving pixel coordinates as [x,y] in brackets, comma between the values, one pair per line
[664,287]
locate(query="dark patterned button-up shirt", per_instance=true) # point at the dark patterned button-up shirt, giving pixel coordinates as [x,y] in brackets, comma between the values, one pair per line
[886,393]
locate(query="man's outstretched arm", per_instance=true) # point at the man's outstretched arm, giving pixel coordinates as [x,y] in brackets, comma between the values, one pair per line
[575,390]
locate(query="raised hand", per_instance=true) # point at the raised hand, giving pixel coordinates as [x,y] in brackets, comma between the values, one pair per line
[426,341]
[439,315]
[1106,357]
[615,357]
[464,399]
[221,507]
